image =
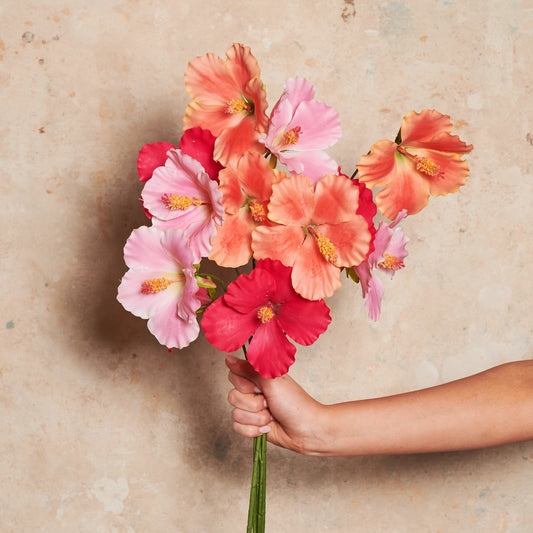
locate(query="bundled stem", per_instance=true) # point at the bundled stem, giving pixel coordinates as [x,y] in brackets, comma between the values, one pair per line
[256,509]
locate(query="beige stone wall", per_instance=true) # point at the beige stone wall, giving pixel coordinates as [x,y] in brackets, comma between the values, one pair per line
[101,429]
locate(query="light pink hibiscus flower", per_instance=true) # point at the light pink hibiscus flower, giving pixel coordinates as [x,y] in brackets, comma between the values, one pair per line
[388,255]
[160,284]
[181,195]
[263,305]
[301,129]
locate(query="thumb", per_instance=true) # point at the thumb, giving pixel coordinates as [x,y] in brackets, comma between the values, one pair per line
[244,369]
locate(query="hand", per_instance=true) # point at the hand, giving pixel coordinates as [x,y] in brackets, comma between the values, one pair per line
[279,407]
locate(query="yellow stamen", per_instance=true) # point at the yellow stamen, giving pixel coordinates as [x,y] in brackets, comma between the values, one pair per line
[427,166]
[292,136]
[325,246]
[391,262]
[237,105]
[258,212]
[179,202]
[153,286]
[265,314]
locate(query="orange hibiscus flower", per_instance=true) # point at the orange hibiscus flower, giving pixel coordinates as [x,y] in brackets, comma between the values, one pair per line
[317,232]
[246,190]
[426,161]
[229,100]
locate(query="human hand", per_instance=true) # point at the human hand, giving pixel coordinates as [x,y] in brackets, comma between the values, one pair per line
[279,407]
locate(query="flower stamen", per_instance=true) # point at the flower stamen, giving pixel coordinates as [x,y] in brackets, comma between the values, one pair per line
[153,286]
[292,136]
[325,246]
[424,165]
[258,212]
[237,105]
[265,314]
[179,202]
[391,262]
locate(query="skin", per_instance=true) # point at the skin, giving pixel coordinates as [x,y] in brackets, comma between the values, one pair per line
[491,408]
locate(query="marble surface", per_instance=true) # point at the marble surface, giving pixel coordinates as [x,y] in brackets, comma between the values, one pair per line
[102,429]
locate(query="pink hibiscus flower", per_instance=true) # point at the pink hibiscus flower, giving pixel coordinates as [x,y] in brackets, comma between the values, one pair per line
[317,232]
[427,161]
[388,255]
[263,305]
[300,129]
[160,285]
[181,195]
[246,191]
[229,100]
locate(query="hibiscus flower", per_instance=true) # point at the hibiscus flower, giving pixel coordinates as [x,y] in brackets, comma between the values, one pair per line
[160,285]
[181,195]
[246,190]
[388,255]
[426,161]
[229,100]
[317,232]
[264,306]
[300,129]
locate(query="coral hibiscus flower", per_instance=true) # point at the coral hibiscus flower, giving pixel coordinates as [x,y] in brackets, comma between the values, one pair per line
[246,190]
[263,305]
[317,232]
[160,284]
[300,129]
[181,195]
[426,161]
[229,100]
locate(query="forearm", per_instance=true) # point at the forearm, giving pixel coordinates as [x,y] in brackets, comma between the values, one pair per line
[487,409]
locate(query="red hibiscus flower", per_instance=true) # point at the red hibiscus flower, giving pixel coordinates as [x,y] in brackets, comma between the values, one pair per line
[263,306]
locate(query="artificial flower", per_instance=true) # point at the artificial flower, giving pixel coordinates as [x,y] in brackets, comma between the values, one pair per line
[388,255]
[246,190]
[426,161]
[317,232]
[229,100]
[264,306]
[301,129]
[181,195]
[160,284]
[200,144]
[150,157]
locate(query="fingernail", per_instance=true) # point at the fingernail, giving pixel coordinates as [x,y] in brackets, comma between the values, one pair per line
[265,429]
[231,359]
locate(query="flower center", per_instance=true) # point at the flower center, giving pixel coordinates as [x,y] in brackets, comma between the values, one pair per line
[292,136]
[237,105]
[153,286]
[325,246]
[427,166]
[391,262]
[179,202]
[258,212]
[265,314]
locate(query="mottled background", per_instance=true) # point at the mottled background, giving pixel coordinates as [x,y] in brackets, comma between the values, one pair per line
[101,429]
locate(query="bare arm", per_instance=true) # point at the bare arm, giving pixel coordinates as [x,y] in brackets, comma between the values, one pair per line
[487,409]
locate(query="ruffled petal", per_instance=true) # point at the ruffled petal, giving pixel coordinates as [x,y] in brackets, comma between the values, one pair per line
[256,176]
[312,276]
[199,144]
[143,250]
[351,240]
[314,164]
[378,168]
[214,118]
[298,90]
[270,352]
[373,298]
[232,244]
[292,201]
[277,242]
[304,320]
[336,200]
[242,65]
[251,291]
[150,157]
[226,329]
[232,143]
[407,191]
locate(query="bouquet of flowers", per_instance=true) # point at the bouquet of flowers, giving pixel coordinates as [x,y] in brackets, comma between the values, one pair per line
[218,195]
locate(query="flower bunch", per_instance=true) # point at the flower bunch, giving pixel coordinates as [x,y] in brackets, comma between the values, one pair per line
[219,195]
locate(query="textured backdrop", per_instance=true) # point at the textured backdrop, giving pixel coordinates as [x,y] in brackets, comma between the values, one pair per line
[102,429]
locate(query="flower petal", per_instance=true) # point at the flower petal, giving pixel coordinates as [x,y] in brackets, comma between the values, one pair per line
[292,201]
[270,352]
[226,329]
[277,242]
[251,291]
[143,250]
[314,164]
[351,240]
[232,143]
[378,168]
[199,144]
[336,200]
[150,157]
